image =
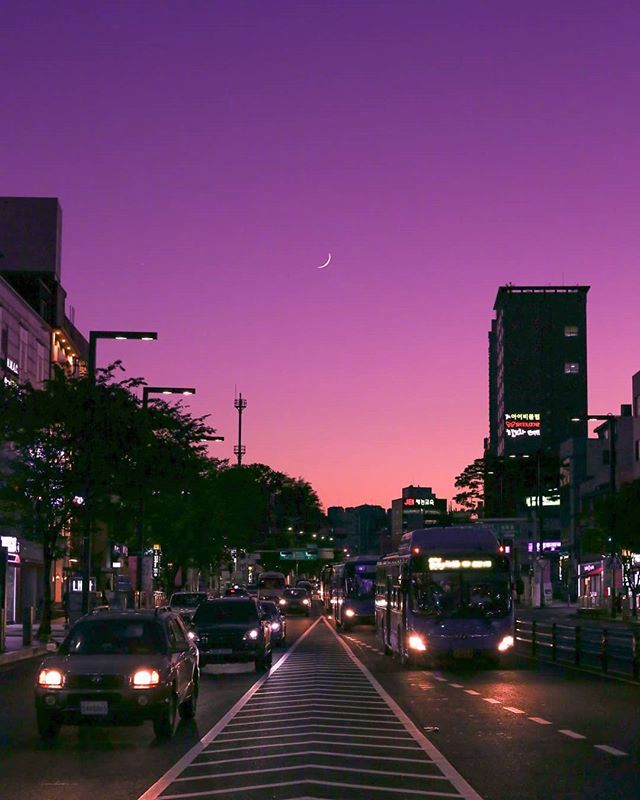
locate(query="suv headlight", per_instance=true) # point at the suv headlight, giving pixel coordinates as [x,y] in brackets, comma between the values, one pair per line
[51,678]
[145,678]
[252,634]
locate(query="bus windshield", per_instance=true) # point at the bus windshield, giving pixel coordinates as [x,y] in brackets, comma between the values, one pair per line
[360,580]
[271,582]
[463,594]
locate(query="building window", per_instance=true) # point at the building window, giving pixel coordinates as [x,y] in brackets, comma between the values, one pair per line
[637,449]
[41,364]
[570,330]
[571,368]
[23,357]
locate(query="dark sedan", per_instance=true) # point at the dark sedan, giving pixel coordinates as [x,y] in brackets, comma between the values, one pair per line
[277,620]
[233,629]
[295,601]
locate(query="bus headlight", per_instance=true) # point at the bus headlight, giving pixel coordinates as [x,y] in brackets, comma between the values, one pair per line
[506,643]
[349,612]
[417,643]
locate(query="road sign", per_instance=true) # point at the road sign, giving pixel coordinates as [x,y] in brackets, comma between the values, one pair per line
[298,555]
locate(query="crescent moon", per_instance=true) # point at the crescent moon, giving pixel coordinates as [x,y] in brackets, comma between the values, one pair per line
[326,263]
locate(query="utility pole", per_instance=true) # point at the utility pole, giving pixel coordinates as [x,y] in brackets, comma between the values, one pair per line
[239,450]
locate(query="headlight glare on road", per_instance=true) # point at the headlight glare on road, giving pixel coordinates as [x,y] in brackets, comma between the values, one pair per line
[417,643]
[275,626]
[51,678]
[506,643]
[252,634]
[145,678]
[349,612]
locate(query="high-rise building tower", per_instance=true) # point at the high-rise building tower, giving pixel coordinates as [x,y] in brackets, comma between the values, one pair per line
[537,368]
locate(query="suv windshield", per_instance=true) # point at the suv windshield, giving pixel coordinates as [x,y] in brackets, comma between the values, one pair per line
[115,637]
[269,609]
[187,599]
[271,583]
[223,612]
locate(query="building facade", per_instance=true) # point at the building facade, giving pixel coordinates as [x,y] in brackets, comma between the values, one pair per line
[35,336]
[417,508]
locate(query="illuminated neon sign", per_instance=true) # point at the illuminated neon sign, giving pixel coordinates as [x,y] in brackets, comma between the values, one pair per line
[522,424]
[419,501]
[437,564]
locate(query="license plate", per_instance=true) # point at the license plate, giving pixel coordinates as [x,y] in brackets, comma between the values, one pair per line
[463,652]
[221,651]
[94,707]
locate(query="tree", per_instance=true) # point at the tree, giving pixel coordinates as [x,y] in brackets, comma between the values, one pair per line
[470,482]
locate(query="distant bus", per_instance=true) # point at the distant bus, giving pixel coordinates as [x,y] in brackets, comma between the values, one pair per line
[271,585]
[447,592]
[353,591]
[325,587]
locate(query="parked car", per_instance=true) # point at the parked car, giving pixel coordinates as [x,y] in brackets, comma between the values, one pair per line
[295,601]
[120,668]
[277,620]
[233,629]
[185,603]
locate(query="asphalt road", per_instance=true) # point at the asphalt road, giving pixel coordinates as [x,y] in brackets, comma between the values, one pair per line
[534,731]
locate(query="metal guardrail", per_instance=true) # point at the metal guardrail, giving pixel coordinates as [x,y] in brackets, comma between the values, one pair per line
[614,651]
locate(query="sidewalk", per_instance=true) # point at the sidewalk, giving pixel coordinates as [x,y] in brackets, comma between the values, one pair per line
[16,651]
[564,613]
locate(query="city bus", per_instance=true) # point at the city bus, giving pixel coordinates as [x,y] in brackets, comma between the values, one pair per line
[271,586]
[446,592]
[353,591]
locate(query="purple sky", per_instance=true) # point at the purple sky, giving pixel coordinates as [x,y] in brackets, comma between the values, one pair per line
[209,155]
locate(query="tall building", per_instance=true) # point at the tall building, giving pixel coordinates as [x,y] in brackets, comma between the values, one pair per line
[537,368]
[417,508]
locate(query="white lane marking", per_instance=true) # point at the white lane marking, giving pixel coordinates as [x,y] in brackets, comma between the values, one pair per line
[447,769]
[328,734]
[457,685]
[513,710]
[353,715]
[330,753]
[491,700]
[161,784]
[259,704]
[611,750]
[390,726]
[540,721]
[253,787]
[472,691]
[414,749]
[281,768]
[572,734]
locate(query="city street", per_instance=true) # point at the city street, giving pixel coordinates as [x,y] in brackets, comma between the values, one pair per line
[325,723]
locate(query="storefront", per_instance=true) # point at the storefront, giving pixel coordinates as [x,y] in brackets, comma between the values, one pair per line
[598,581]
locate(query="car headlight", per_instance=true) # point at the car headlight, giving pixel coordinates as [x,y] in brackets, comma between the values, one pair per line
[191,635]
[306,602]
[145,678]
[506,643]
[417,643]
[282,601]
[252,634]
[51,678]
[275,626]
[349,612]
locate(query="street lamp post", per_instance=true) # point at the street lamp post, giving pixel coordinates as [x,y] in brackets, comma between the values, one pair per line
[146,391]
[91,373]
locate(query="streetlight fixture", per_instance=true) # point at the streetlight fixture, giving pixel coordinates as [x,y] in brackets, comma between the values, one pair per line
[144,336]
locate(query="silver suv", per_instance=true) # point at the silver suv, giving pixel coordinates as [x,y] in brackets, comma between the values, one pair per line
[120,668]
